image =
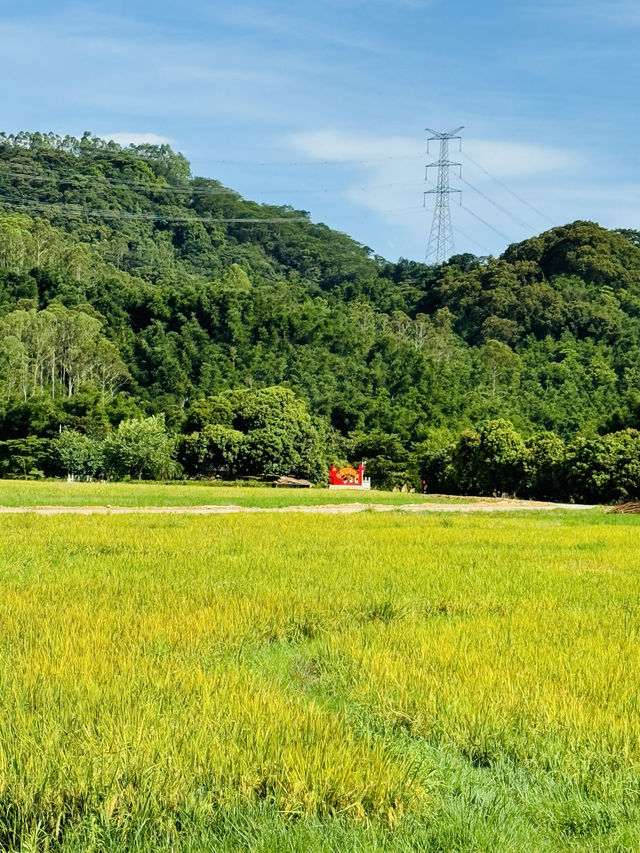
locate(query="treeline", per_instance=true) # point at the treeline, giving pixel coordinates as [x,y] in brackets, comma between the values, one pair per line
[239,433]
[130,289]
[250,433]
[496,460]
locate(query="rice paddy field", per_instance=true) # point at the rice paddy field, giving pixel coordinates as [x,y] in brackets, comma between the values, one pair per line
[59,492]
[320,683]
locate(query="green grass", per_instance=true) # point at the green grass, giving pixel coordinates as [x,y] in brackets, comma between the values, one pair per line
[60,492]
[362,683]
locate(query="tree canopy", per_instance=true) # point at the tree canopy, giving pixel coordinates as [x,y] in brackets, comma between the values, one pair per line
[130,288]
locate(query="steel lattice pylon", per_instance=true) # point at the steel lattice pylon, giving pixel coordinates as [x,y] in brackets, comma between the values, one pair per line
[440,244]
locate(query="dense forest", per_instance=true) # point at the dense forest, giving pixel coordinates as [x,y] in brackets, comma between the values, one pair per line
[140,304]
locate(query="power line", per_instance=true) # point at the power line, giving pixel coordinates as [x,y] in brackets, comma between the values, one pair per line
[498,206]
[456,227]
[205,191]
[149,187]
[191,190]
[403,209]
[374,213]
[108,213]
[441,238]
[484,222]
[334,162]
[508,189]
[459,230]
[44,175]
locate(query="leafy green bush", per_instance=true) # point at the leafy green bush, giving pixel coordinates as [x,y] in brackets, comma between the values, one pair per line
[27,458]
[386,473]
[80,455]
[213,451]
[491,460]
[546,467]
[140,448]
[605,468]
[260,431]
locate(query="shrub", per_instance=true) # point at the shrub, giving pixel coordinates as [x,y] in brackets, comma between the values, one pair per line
[546,467]
[386,473]
[491,460]
[79,455]
[212,451]
[605,468]
[27,458]
[279,436]
[141,448]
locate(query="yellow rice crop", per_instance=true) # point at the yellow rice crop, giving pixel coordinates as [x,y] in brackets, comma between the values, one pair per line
[452,683]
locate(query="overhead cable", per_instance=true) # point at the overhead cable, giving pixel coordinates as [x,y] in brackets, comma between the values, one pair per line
[459,231]
[78,210]
[334,162]
[498,206]
[488,224]
[508,189]
[191,190]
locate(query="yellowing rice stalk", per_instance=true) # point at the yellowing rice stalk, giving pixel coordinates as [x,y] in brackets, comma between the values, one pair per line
[371,682]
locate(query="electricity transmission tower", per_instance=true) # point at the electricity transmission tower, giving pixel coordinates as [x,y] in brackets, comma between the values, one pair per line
[440,244]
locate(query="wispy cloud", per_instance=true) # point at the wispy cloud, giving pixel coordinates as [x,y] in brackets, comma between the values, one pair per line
[519,159]
[338,145]
[407,4]
[150,78]
[243,87]
[283,24]
[503,158]
[392,184]
[617,13]
[131,138]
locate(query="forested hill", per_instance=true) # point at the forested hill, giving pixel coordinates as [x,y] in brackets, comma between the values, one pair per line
[129,287]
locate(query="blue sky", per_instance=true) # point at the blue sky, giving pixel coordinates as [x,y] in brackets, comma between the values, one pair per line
[324,105]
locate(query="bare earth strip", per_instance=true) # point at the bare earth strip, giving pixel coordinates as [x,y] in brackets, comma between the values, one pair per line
[333,509]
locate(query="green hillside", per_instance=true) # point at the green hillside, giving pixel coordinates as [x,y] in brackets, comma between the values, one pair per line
[130,288]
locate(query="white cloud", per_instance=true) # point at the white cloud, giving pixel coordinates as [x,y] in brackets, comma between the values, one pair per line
[132,138]
[518,159]
[392,171]
[337,145]
[501,158]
